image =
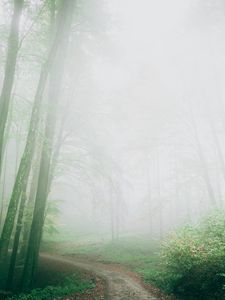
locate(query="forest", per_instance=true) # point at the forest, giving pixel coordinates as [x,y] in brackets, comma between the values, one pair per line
[112,149]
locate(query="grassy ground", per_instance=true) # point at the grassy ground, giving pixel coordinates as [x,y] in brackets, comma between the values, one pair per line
[140,256]
[57,280]
[70,286]
[190,265]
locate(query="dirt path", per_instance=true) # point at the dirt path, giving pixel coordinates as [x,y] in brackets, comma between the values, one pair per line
[120,284]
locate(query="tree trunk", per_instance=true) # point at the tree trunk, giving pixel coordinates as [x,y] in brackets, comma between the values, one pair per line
[29,208]
[16,242]
[112,216]
[203,162]
[159,196]
[2,207]
[149,194]
[10,67]
[65,19]
[25,163]
[34,182]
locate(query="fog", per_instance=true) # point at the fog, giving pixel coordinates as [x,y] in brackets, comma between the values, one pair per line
[141,115]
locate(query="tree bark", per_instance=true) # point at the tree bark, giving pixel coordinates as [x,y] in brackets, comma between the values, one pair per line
[10,67]
[12,264]
[25,163]
[65,19]
[29,208]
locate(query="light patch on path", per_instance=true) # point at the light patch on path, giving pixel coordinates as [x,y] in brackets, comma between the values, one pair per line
[120,285]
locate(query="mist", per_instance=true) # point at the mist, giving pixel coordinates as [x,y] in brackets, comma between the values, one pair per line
[112,126]
[147,106]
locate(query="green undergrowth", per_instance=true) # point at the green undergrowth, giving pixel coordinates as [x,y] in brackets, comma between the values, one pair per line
[189,264]
[193,261]
[71,285]
[139,255]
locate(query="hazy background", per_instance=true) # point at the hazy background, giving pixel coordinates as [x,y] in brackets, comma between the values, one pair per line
[145,120]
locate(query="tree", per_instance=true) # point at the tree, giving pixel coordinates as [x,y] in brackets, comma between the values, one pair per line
[28,153]
[64,23]
[10,67]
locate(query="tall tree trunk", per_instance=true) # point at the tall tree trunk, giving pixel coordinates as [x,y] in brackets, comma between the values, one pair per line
[10,68]
[218,147]
[159,193]
[29,207]
[112,216]
[203,162]
[149,194]
[64,23]
[34,181]
[202,159]
[12,264]
[117,218]
[2,207]
[57,148]
[25,163]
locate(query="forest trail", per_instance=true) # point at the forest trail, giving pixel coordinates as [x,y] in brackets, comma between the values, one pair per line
[121,285]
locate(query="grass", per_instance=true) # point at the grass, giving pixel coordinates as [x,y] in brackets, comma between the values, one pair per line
[71,285]
[139,255]
[190,264]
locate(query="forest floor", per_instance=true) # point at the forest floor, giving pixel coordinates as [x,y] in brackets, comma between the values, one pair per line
[120,283]
[53,271]
[126,266]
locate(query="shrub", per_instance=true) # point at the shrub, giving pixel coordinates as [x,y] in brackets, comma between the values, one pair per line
[193,261]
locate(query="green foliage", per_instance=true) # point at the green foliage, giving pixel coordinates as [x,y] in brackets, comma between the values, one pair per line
[191,264]
[193,261]
[72,284]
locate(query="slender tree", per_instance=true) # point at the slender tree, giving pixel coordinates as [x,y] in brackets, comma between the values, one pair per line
[10,67]
[30,205]
[26,160]
[202,159]
[16,241]
[64,23]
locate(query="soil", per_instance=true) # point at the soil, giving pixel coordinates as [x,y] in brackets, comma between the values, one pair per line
[113,281]
[53,272]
